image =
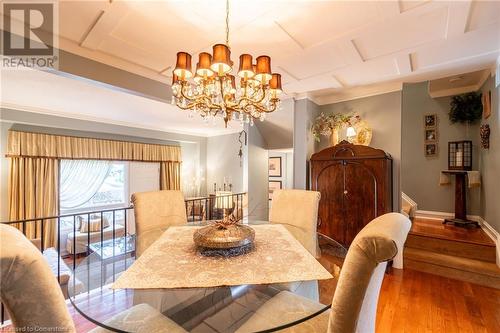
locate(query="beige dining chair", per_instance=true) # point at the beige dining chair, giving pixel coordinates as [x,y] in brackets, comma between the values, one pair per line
[297,210]
[154,212]
[34,300]
[354,304]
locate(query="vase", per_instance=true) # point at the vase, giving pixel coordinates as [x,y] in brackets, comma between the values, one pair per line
[334,137]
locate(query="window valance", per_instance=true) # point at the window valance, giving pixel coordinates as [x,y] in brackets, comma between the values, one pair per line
[27,144]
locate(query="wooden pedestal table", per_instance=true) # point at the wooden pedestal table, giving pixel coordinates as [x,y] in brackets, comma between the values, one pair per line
[460,200]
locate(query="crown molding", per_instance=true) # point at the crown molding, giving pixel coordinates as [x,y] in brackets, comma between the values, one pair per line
[309,96]
[358,92]
[172,130]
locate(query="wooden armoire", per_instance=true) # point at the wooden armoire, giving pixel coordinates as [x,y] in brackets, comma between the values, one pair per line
[356,186]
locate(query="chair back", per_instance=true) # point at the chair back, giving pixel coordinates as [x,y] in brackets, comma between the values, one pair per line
[354,305]
[28,289]
[297,210]
[154,212]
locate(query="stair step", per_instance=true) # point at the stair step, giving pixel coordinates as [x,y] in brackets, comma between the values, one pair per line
[464,249]
[459,268]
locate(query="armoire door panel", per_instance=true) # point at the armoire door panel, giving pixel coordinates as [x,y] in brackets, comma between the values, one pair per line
[329,183]
[360,199]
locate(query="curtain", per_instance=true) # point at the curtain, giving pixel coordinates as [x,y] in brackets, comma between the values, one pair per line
[33,192]
[26,144]
[170,176]
[80,180]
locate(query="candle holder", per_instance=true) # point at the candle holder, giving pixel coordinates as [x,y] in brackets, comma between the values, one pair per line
[460,155]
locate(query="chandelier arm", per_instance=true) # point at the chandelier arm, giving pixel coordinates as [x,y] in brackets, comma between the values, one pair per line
[248,99]
[196,100]
[261,109]
[191,99]
[187,107]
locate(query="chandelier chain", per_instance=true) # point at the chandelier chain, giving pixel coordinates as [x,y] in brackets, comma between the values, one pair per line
[227,23]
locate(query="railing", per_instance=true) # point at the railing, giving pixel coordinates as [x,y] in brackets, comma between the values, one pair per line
[214,207]
[197,210]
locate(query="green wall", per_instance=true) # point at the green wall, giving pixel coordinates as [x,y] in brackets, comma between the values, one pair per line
[419,174]
[383,113]
[490,161]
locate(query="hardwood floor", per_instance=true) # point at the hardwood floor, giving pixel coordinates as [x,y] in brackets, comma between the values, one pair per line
[412,301]
[434,228]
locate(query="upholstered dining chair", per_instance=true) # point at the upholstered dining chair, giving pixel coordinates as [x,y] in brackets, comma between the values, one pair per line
[34,300]
[154,212]
[297,210]
[354,304]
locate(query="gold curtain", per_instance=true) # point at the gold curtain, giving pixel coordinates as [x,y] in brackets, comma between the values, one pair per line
[33,192]
[26,144]
[170,176]
[34,168]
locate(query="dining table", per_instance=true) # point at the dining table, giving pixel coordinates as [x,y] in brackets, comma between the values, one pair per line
[216,307]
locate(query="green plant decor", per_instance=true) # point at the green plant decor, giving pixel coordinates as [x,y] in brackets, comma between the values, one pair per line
[466,108]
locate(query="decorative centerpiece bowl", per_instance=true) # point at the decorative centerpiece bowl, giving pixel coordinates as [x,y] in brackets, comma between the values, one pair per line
[226,237]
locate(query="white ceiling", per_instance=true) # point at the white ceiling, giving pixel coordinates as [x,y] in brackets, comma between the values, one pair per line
[325,49]
[42,92]
[316,45]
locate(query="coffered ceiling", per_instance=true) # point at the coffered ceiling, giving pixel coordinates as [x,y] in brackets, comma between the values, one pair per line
[321,48]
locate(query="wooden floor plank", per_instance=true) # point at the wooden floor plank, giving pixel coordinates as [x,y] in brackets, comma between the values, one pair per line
[435,228]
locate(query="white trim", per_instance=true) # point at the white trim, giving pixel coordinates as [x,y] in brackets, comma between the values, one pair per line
[494,235]
[357,92]
[413,204]
[432,215]
[164,129]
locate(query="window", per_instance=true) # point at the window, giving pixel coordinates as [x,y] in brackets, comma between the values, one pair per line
[89,185]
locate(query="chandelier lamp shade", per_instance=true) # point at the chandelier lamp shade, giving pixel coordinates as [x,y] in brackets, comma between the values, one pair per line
[213,89]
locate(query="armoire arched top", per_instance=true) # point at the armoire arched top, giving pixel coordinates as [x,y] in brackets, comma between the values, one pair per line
[346,150]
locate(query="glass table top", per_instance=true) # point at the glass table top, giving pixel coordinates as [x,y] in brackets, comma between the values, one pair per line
[217,309]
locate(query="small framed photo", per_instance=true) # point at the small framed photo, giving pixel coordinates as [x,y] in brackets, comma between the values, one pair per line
[274,185]
[431,149]
[430,120]
[274,166]
[431,135]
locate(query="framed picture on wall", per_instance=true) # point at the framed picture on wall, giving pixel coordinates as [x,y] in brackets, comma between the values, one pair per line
[274,166]
[431,135]
[274,185]
[431,150]
[430,120]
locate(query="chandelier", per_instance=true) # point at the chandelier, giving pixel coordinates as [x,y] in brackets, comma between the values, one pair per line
[213,91]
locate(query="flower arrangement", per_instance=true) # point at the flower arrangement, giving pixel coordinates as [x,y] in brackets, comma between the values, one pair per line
[327,124]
